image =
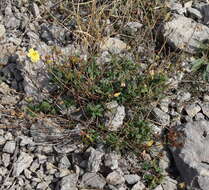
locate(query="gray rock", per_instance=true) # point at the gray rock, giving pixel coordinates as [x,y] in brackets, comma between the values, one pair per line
[138,186]
[206,98]
[12,22]
[63,173]
[2,140]
[160,116]
[185,34]
[34,166]
[45,130]
[5,159]
[183,96]
[117,187]
[164,103]
[67,148]
[24,160]
[27,174]
[132,178]
[164,162]
[115,178]
[115,115]
[132,27]
[199,116]
[8,136]
[64,163]
[94,160]
[192,109]
[192,157]
[36,79]
[169,183]
[205,109]
[35,10]
[113,45]
[69,182]
[194,13]
[9,100]
[175,7]
[9,147]
[93,180]
[42,186]
[51,168]
[26,141]
[4,171]
[111,160]
[2,30]
[204,9]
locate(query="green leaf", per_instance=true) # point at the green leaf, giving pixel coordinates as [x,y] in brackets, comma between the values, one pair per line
[198,63]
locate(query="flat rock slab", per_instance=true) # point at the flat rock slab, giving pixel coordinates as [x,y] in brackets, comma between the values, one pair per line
[192,154]
[185,34]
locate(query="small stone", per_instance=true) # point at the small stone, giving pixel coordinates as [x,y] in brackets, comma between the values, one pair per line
[35,10]
[9,147]
[192,109]
[41,158]
[65,149]
[5,159]
[169,183]
[26,141]
[92,180]
[2,30]
[34,166]
[64,163]
[9,100]
[206,98]
[115,178]
[160,116]
[139,186]
[194,13]
[132,27]
[24,160]
[184,96]
[8,136]
[199,116]
[205,109]
[94,161]
[3,171]
[132,179]
[51,169]
[164,104]
[1,130]
[69,182]
[42,186]
[115,115]
[111,161]
[2,140]
[113,45]
[62,172]
[27,174]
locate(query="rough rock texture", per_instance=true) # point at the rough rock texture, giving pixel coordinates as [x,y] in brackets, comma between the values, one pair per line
[184,33]
[192,157]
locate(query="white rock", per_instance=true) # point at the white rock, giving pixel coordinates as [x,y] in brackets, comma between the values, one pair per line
[115,115]
[113,45]
[115,178]
[9,147]
[185,34]
[138,186]
[24,160]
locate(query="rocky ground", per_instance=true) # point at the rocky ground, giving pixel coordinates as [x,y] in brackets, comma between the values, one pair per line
[42,151]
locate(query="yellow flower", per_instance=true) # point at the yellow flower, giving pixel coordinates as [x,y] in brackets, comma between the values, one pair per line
[33,55]
[117,94]
[150,143]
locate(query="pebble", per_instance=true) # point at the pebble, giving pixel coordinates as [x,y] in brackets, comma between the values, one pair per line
[9,147]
